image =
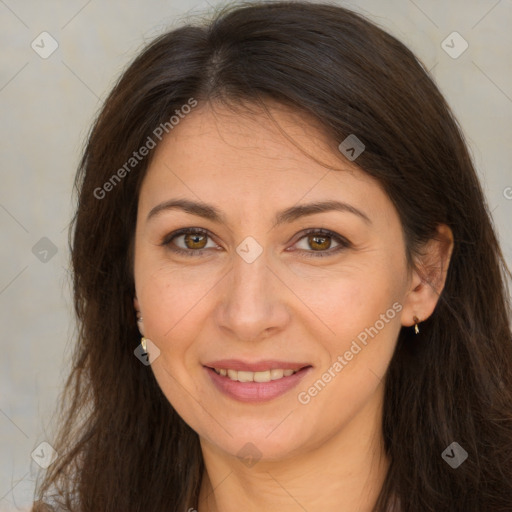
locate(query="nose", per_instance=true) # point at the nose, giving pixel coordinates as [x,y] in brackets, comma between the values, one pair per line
[254,301]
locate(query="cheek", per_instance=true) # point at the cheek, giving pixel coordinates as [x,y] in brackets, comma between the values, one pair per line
[349,299]
[361,306]
[173,302]
[174,299]
[366,323]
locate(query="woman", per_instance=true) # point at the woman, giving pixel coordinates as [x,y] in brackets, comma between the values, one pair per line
[289,290]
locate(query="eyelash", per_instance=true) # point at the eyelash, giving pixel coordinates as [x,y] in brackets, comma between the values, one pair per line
[343,243]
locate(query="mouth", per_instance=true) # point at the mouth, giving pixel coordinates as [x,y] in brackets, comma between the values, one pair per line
[255,382]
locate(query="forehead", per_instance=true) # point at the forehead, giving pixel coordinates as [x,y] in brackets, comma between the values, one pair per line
[216,152]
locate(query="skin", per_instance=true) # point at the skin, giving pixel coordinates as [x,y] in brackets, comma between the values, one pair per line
[326,454]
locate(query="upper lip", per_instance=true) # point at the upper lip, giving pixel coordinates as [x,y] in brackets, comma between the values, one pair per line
[258,366]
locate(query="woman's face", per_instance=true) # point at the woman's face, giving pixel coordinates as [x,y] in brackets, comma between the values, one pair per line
[255,291]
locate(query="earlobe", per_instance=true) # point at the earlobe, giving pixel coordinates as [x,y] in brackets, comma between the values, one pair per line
[140,323]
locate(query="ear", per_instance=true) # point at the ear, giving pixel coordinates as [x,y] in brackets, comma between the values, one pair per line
[428,277]
[140,323]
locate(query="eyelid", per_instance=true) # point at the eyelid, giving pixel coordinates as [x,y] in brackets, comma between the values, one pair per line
[343,243]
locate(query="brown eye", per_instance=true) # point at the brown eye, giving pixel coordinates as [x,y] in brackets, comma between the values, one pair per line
[195,240]
[189,241]
[319,242]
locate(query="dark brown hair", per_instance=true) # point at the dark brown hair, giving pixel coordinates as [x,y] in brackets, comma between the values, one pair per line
[121,445]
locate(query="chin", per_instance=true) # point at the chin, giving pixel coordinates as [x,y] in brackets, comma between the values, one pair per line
[266,442]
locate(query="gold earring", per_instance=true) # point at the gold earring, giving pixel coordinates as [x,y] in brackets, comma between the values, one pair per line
[416,328]
[143,343]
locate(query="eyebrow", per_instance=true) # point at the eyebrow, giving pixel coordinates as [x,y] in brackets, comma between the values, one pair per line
[210,212]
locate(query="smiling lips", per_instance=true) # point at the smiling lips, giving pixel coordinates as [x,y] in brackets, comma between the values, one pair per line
[255,382]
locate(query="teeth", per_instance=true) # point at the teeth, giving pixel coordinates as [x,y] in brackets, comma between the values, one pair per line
[244,376]
[261,376]
[276,374]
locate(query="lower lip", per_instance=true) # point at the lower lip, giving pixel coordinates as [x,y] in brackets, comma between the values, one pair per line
[256,391]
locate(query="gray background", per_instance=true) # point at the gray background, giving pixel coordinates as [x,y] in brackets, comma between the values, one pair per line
[47,108]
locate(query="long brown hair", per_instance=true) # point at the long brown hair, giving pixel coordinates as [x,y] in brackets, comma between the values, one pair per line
[121,445]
